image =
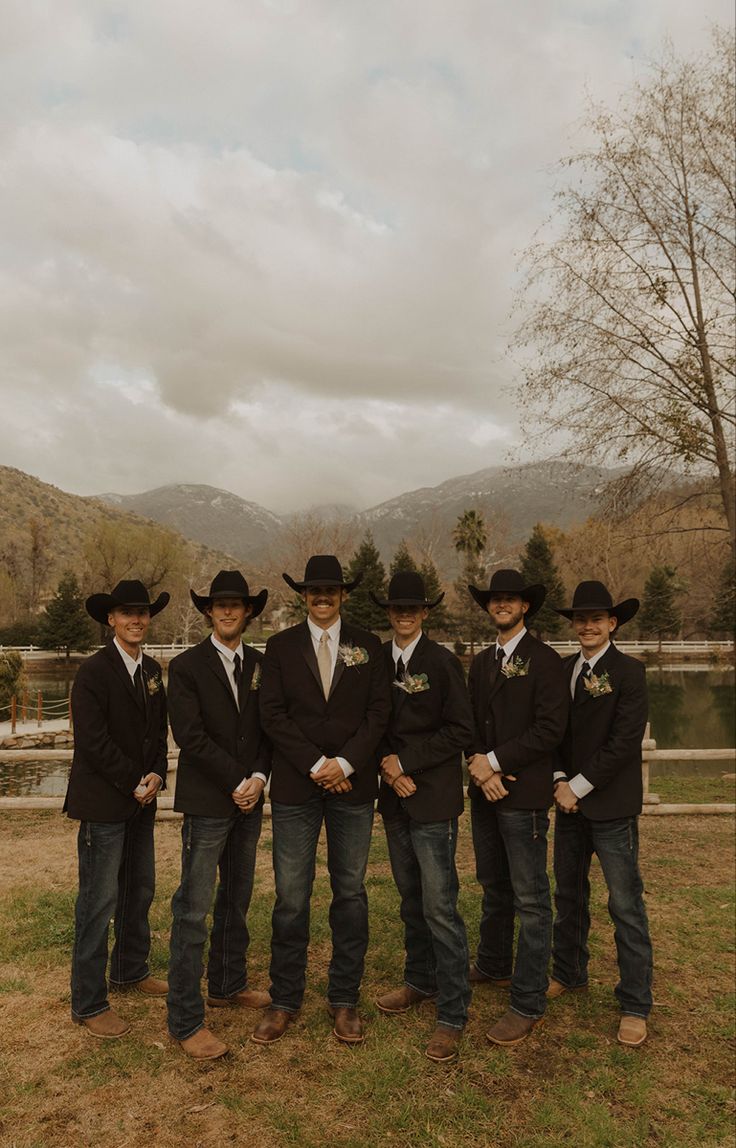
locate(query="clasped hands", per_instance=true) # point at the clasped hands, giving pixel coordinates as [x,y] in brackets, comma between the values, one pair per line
[565,799]
[393,775]
[247,794]
[147,788]
[488,780]
[330,776]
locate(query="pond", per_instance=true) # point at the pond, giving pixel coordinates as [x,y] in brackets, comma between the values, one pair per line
[688,709]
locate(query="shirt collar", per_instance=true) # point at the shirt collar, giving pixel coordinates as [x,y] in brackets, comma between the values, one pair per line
[591,661]
[225,650]
[407,652]
[131,664]
[333,632]
[509,647]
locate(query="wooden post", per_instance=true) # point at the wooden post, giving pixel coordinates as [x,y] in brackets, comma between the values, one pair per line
[39,709]
[13,712]
[69,706]
[647,745]
[23,706]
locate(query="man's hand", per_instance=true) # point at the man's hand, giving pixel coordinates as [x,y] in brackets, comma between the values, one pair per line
[494,789]
[247,794]
[404,785]
[330,776]
[480,769]
[390,769]
[147,789]
[565,799]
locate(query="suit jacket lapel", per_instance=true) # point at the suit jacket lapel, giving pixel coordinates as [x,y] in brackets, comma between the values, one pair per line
[598,669]
[344,639]
[121,670]
[500,679]
[214,661]
[413,666]
[306,646]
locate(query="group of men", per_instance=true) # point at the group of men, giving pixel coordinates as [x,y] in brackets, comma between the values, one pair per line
[335,720]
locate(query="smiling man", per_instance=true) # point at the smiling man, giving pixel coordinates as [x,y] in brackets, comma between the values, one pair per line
[598,799]
[224,763]
[119,765]
[325,704]
[420,799]
[520,707]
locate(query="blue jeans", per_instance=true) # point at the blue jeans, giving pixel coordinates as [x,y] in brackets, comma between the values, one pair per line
[296,830]
[116,878]
[423,864]
[511,866]
[616,842]
[208,844]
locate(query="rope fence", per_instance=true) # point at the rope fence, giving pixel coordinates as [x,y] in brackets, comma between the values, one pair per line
[32,708]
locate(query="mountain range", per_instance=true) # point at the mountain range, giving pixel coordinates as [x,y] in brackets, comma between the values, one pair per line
[512,499]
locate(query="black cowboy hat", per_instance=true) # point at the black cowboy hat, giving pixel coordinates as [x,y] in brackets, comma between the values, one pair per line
[230,584]
[595,596]
[126,593]
[511,582]
[407,589]
[322,570]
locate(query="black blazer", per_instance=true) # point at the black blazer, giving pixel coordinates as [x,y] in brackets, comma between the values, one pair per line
[219,745]
[604,734]
[302,725]
[428,731]
[523,719]
[117,740]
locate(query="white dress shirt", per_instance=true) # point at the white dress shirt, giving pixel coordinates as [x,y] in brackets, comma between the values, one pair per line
[333,634]
[508,652]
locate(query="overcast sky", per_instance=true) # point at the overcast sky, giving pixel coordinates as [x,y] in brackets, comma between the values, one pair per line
[272,245]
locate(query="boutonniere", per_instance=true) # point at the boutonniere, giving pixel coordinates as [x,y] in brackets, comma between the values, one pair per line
[153,685]
[597,687]
[515,668]
[352,655]
[413,683]
[255,681]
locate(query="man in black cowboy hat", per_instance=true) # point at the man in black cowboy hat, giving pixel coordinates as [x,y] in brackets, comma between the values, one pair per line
[598,799]
[420,799]
[118,767]
[224,763]
[325,704]
[520,706]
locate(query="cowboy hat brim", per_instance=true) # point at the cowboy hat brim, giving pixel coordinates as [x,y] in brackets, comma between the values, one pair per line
[421,602]
[534,595]
[98,606]
[255,601]
[623,612]
[301,586]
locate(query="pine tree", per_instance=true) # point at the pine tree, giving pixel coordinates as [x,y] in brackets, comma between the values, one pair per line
[402,561]
[359,607]
[439,619]
[538,565]
[723,613]
[659,613]
[65,624]
[11,679]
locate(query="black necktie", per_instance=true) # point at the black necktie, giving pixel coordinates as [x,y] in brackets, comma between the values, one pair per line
[138,686]
[237,675]
[497,663]
[580,683]
[400,669]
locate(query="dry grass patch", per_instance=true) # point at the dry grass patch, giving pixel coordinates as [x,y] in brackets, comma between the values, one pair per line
[570,1083]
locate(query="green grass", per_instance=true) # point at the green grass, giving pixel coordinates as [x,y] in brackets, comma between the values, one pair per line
[694,790]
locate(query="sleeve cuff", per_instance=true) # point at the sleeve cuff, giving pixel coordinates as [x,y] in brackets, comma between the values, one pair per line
[261,776]
[493,762]
[345,766]
[580,786]
[318,764]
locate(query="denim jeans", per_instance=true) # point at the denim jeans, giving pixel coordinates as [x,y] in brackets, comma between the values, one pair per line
[617,845]
[423,864]
[208,844]
[296,830]
[511,866]
[116,878]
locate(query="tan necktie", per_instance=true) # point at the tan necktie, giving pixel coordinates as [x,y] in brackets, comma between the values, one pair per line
[324,663]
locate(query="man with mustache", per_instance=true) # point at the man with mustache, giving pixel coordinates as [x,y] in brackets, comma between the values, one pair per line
[324,705]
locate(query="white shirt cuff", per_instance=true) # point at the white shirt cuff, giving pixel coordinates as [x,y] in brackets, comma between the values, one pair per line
[493,762]
[318,764]
[262,777]
[558,773]
[580,786]
[345,766]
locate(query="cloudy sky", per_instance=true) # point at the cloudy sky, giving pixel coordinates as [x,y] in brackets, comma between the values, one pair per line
[272,245]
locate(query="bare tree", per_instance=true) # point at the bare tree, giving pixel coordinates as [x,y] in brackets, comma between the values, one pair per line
[630,307]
